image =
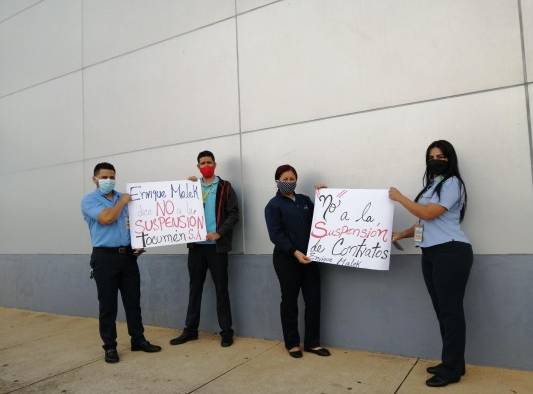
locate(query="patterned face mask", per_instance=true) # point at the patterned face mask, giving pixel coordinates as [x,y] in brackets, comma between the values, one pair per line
[286,187]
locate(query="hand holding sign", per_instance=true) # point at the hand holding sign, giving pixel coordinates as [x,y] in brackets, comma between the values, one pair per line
[212,236]
[302,258]
[125,198]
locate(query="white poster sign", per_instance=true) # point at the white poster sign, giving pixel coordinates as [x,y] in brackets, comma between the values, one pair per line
[166,213]
[352,227]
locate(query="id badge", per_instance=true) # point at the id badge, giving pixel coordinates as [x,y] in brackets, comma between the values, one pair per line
[419,232]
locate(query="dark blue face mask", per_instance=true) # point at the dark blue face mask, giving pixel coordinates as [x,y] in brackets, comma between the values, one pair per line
[286,187]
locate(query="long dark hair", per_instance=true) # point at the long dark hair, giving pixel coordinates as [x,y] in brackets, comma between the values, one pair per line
[453,170]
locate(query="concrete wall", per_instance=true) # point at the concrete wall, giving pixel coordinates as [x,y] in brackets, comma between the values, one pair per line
[361,309]
[350,92]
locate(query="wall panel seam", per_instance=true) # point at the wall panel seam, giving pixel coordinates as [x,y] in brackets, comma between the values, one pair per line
[240,127]
[387,107]
[36,84]
[256,8]
[135,49]
[85,158]
[526,87]
[238,133]
[20,12]
[82,98]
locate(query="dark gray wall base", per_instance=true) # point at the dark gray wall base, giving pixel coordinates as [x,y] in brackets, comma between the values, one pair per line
[371,310]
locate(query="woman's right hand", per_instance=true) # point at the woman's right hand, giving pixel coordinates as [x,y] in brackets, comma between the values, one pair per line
[407,233]
[394,194]
[302,258]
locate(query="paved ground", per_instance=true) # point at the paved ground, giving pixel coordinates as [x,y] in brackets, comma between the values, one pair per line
[44,353]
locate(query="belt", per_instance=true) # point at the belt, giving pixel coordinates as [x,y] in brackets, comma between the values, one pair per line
[204,245]
[119,250]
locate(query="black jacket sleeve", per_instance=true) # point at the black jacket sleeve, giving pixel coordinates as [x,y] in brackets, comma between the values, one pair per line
[231,211]
[276,231]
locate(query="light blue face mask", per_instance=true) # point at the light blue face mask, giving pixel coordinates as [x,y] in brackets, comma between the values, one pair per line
[106,186]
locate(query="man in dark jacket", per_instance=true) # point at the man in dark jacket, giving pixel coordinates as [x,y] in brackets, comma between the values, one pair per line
[221,215]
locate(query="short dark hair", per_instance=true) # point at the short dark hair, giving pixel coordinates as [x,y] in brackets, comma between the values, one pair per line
[205,153]
[281,169]
[103,166]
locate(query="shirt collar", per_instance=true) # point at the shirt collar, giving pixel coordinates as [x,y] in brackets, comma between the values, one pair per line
[281,195]
[436,180]
[212,183]
[116,195]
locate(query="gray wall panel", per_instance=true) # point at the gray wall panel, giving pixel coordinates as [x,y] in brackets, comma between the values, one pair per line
[386,148]
[361,309]
[9,8]
[307,59]
[41,43]
[118,26]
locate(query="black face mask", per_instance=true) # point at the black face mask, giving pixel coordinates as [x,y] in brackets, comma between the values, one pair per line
[437,167]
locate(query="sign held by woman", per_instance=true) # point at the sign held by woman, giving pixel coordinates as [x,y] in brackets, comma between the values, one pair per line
[352,227]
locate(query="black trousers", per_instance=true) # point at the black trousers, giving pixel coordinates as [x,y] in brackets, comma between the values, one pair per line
[114,272]
[201,258]
[446,268]
[294,276]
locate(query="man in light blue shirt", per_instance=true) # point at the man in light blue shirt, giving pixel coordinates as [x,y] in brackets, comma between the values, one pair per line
[114,262]
[209,195]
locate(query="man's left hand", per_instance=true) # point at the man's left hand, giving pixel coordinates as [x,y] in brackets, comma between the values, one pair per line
[212,236]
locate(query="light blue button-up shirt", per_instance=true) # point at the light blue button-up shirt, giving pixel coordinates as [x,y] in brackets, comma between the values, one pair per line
[446,227]
[105,235]
[210,200]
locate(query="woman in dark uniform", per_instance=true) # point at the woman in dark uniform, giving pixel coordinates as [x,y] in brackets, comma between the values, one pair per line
[289,217]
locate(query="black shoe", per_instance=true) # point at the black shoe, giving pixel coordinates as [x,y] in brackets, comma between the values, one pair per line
[438,381]
[296,354]
[434,369]
[111,356]
[184,337]
[145,346]
[226,341]
[321,351]
[438,368]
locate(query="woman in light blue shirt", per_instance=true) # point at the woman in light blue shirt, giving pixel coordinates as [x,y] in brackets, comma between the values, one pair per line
[446,253]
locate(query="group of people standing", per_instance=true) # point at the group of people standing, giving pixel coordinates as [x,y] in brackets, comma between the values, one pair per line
[446,257]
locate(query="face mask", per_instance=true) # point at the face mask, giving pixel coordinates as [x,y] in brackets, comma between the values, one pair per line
[208,171]
[437,167]
[106,186]
[286,187]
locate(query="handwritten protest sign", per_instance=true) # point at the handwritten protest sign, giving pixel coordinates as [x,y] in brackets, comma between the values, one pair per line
[352,227]
[166,213]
